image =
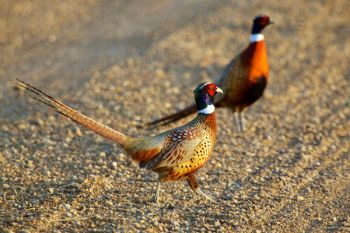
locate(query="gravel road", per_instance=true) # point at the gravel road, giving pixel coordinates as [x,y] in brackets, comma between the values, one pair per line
[125,63]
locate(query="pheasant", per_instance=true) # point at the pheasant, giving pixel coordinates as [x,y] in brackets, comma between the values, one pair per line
[243,80]
[174,154]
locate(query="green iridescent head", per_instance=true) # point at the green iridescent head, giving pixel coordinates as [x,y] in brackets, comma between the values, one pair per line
[204,95]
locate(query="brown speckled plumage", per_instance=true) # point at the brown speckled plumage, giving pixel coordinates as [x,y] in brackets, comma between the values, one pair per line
[184,149]
[174,154]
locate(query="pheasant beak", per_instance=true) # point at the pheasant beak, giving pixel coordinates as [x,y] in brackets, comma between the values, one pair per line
[271,22]
[218,90]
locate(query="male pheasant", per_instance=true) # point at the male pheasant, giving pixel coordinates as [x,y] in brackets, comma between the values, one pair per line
[243,80]
[175,154]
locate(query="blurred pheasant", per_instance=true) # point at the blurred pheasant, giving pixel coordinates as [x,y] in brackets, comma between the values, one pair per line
[174,154]
[243,80]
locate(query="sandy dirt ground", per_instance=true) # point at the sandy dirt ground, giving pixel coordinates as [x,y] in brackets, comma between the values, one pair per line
[128,62]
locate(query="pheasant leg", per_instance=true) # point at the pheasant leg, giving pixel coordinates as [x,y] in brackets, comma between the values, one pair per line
[192,181]
[240,121]
[156,198]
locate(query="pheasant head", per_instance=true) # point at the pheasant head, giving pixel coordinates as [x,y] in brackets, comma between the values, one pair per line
[260,22]
[204,95]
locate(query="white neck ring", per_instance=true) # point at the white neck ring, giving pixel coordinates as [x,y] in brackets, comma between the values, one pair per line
[256,37]
[208,110]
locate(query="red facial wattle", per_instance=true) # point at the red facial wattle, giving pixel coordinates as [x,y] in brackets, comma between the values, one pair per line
[211,89]
[211,92]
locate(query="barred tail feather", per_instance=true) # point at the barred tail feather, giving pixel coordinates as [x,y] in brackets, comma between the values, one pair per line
[74,115]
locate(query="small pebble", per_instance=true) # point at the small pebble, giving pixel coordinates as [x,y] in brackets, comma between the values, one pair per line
[109,203]
[30,164]
[78,132]
[176,223]
[66,206]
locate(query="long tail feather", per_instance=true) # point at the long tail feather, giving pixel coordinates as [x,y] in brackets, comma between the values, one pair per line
[74,115]
[174,117]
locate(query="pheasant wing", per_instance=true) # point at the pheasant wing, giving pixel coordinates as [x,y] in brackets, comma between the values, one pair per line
[229,79]
[179,149]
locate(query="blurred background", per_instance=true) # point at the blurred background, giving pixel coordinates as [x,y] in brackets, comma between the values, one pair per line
[128,62]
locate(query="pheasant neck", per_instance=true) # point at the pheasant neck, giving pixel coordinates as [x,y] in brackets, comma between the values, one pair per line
[256,37]
[204,103]
[207,110]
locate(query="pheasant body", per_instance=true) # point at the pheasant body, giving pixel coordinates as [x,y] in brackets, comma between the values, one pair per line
[175,163]
[249,72]
[168,153]
[174,154]
[243,80]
